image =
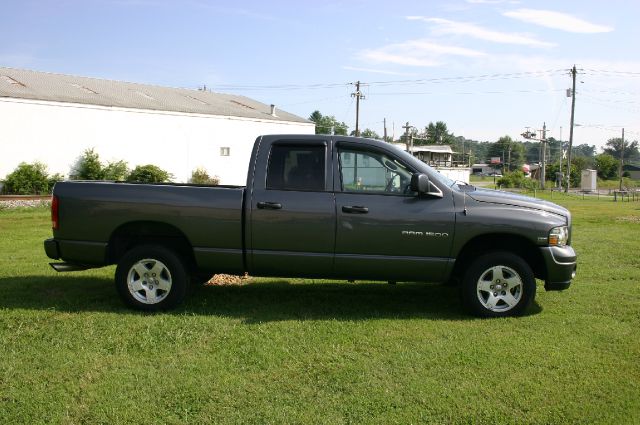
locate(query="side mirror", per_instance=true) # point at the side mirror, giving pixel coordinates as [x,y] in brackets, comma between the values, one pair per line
[420,183]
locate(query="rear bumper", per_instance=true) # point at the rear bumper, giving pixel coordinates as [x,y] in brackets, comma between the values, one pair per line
[561,265]
[77,252]
[52,249]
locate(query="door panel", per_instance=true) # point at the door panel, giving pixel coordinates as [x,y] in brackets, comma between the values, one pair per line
[398,238]
[292,218]
[383,230]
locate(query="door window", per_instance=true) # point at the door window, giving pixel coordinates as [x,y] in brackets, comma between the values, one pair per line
[296,168]
[375,172]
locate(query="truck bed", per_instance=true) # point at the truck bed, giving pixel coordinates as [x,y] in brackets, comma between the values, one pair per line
[208,217]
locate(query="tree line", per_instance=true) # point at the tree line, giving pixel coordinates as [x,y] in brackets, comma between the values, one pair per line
[512,153]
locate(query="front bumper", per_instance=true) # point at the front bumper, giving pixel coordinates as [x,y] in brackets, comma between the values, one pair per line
[561,265]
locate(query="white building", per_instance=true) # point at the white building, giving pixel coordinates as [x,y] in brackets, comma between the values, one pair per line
[53,118]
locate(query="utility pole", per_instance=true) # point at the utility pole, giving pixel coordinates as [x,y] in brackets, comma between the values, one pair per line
[358,95]
[385,129]
[407,127]
[561,154]
[573,109]
[621,158]
[531,135]
[543,142]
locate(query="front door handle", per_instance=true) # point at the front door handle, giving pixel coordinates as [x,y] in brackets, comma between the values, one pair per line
[269,205]
[355,210]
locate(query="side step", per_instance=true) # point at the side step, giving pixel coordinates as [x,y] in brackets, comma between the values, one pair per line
[68,267]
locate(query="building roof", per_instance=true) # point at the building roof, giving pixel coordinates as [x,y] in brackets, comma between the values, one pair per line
[630,167]
[35,85]
[427,148]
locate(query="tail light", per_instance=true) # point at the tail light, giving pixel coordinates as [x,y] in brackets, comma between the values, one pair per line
[55,223]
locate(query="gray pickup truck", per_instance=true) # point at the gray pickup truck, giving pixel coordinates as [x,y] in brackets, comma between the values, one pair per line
[321,207]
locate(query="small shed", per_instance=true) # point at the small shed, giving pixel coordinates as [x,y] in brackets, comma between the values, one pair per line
[589,180]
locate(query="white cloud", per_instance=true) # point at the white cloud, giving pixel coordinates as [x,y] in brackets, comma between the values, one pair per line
[445,26]
[556,20]
[425,53]
[493,1]
[376,71]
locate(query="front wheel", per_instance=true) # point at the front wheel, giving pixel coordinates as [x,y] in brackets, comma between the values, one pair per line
[151,278]
[498,284]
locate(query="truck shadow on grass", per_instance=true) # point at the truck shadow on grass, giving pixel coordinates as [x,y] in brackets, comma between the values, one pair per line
[254,303]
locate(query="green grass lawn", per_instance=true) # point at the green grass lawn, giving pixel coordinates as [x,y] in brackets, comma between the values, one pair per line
[278,351]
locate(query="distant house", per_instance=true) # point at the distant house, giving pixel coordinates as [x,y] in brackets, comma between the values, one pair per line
[434,155]
[53,118]
[439,157]
[633,170]
[479,169]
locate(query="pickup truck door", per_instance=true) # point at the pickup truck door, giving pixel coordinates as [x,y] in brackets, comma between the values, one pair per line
[292,216]
[385,231]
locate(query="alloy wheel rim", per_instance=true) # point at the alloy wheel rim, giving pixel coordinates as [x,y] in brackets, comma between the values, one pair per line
[499,288]
[149,281]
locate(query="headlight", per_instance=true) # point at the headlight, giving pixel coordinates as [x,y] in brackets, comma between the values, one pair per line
[558,236]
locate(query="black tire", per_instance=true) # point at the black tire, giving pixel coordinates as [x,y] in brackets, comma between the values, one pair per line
[151,278]
[498,284]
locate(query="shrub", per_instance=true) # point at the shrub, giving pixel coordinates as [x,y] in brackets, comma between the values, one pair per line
[28,179]
[87,167]
[517,179]
[200,176]
[149,174]
[118,171]
[54,179]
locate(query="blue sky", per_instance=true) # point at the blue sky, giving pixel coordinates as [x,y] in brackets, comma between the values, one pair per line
[487,68]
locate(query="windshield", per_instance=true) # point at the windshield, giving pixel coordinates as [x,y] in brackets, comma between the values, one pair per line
[424,168]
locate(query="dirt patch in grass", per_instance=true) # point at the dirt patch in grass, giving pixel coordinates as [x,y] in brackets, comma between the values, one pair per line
[228,279]
[629,219]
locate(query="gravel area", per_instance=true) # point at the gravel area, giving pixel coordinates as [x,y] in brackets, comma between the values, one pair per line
[23,203]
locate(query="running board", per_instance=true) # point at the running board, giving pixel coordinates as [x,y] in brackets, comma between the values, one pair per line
[68,267]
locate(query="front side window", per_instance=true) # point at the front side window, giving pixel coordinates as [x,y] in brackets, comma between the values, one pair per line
[294,167]
[370,171]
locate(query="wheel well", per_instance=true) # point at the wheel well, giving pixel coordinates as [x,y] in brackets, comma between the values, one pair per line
[515,244]
[137,233]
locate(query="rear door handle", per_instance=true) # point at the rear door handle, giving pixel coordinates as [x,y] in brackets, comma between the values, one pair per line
[269,205]
[355,210]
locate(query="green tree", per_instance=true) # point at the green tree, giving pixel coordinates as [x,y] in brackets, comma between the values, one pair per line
[28,179]
[87,167]
[584,150]
[325,124]
[149,174]
[614,147]
[201,176]
[607,166]
[368,133]
[510,152]
[118,171]
[438,134]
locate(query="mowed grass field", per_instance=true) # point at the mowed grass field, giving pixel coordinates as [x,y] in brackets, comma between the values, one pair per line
[292,351]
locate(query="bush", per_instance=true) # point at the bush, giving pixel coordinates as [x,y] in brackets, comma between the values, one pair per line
[200,176]
[517,179]
[54,179]
[118,171]
[28,179]
[149,174]
[87,167]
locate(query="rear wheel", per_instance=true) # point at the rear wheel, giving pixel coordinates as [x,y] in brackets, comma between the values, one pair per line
[151,278]
[498,284]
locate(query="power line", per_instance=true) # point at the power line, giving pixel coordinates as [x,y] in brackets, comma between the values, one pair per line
[438,80]
[465,92]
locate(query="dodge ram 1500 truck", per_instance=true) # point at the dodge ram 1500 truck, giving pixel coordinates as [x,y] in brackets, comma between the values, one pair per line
[323,207]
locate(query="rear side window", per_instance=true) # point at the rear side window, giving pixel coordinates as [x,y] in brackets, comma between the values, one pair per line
[296,168]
